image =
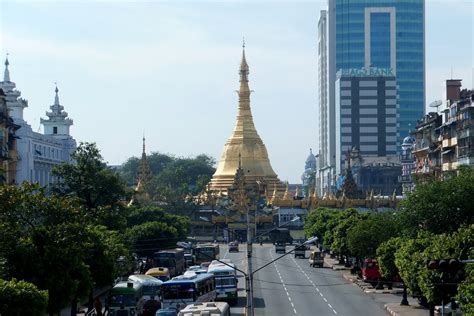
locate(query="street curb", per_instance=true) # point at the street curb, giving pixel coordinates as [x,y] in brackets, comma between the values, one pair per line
[367,288]
[390,311]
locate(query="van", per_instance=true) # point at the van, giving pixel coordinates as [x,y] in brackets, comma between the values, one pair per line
[316,258]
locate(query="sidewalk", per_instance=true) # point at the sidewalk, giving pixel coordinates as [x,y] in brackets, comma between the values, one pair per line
[333,263]
[395,309]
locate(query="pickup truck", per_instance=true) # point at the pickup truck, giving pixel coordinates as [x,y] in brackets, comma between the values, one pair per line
[316,258]
[280,247]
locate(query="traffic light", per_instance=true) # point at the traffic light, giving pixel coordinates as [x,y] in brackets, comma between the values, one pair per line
[443,264]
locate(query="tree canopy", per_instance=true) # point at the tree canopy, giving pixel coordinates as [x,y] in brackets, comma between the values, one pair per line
[89,179]
[19,298]
[439,206]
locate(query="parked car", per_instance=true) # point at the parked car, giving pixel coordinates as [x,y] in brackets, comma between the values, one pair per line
[448,309]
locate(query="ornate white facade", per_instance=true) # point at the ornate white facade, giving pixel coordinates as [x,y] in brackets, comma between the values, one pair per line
[38,153]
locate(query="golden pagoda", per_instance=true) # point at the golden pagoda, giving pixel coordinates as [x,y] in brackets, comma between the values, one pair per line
[246,143]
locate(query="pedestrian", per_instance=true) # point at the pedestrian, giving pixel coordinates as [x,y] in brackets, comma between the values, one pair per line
[98,306]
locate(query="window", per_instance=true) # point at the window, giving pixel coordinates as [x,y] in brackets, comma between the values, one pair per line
[55,130]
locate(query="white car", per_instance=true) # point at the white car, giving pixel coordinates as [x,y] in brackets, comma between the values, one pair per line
[448,310]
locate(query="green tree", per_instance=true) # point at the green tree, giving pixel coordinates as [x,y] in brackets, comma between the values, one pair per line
[411,262]
[149,237]
[55,246]
[442,285]
[317,222]
[156,161]
[346,220]
[368,233]
[182,179]
[89,179]
[386,256]
[19,298]
[439,206]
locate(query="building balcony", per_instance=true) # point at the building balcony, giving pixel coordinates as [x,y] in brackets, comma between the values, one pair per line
[406,158]
[449,166]
[448,142]
[405,179]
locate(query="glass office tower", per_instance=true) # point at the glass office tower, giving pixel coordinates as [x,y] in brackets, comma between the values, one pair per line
[384,34]
[355,34]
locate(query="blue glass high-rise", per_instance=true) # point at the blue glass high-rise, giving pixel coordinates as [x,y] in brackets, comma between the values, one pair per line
[389,34]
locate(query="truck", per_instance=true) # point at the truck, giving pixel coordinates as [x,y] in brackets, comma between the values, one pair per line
[316,259]
[300,251]
[370,271]
[281,235]
[280,247]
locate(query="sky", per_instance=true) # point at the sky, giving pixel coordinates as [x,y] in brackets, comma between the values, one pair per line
[169,70]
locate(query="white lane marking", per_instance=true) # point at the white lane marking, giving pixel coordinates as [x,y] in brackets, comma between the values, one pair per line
[317,290]
[283,283]
[226,253]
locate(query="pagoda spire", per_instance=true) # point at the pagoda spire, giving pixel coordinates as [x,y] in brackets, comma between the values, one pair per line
[56,97]
[245,141]
[6,75]
[144,172]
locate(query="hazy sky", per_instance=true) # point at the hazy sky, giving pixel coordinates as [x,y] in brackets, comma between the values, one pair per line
[169,69]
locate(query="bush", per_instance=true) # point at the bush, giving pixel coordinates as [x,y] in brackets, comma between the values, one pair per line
[19,298]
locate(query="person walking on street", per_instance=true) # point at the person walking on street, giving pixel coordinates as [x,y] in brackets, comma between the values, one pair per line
[98,306]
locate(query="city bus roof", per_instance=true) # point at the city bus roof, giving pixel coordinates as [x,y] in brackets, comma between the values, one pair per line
[144,279]
[207,308]
[158,271]
[220,268]
[126,287]
[189,278]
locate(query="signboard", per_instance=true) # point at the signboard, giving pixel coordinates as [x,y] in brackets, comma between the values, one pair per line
[367,72]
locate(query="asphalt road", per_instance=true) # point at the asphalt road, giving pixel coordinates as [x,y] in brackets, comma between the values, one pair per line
[240,260]
[291,287]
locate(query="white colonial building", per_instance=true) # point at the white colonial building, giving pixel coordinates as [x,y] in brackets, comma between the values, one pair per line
[38,153]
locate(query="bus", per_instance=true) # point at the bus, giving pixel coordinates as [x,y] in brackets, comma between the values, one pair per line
[173,259]
[211,308]
[206,252]
[150,302]
[184,290]
[162,274]
[123,298]
[226,281]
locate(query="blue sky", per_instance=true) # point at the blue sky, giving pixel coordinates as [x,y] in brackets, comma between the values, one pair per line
[169,69]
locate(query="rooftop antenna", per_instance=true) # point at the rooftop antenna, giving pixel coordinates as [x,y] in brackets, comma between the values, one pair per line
[451,72]
[436,104]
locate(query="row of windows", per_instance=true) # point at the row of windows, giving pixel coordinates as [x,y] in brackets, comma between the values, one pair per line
[48,152]
[360,45]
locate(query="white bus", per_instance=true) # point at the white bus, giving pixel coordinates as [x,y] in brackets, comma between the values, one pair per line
[149,303]
[226,281]
[212,308]
[184,290]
